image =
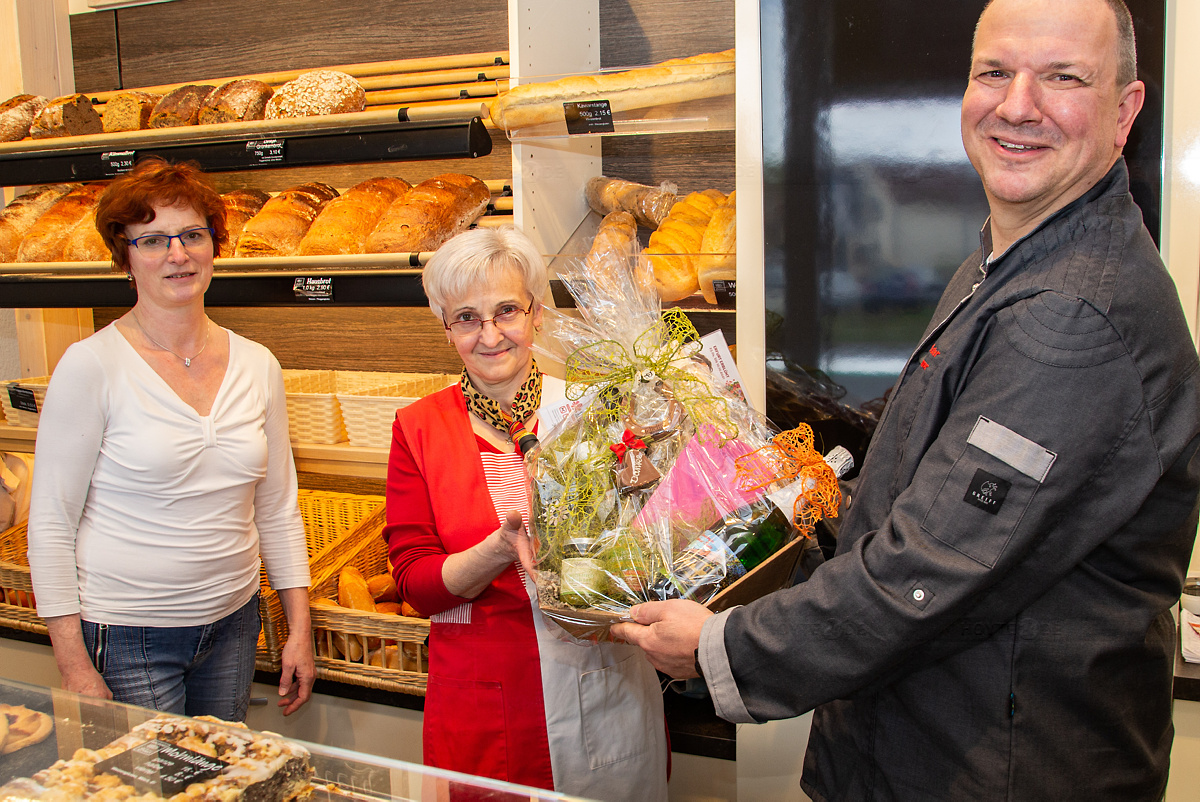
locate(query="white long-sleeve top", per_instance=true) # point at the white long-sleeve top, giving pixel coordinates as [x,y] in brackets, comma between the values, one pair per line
[146,513]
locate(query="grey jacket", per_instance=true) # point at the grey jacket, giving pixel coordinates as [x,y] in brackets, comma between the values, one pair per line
[996,623]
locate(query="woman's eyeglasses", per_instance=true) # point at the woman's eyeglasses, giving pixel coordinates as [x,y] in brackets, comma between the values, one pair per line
[194,239]
[509,316]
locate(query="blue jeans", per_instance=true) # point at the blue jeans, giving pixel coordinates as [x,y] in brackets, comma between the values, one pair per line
[193,671]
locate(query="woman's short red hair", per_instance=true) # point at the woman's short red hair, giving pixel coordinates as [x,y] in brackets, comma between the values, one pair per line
[153,181]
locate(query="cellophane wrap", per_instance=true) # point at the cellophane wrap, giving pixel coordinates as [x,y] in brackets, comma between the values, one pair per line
[656,485]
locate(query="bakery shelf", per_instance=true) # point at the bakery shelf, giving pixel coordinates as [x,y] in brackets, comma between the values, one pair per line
[371,136]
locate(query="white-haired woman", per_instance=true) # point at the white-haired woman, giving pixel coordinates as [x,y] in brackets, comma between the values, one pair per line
[506,697]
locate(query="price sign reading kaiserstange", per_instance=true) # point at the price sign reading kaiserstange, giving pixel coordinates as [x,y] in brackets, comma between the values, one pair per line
[589,117]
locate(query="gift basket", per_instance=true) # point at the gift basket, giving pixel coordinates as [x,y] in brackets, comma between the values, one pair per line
[662,482]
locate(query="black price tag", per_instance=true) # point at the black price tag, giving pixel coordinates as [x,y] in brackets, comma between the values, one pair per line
[589,117]
[265,151]
[160,768]
[115,162]
[22,398]
[313,289]
[726,290]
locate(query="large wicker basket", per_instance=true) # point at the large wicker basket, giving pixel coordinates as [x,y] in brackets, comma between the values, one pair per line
[14,580]
[368,412]
[328,518]
[22,417]
[376,633]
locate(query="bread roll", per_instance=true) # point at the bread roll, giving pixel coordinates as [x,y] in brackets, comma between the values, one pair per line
[345,223]
[353,591]
[19,216]
[648,205]
[46,239]
[673,248]
[240,206]
[129,111]
[84,243]
[180,106]
[317,92]
[429,214]
[233,101]
[673,81]
[17,115]
[69,115]
[720,239]
[284,220]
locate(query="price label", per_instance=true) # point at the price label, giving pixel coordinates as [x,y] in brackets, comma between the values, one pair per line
[313,289]
[160,768]
[265,151]
[726,290]
[22,398]
[115,162]
[589,117]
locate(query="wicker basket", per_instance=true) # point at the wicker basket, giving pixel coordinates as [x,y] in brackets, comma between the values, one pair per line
[21,417]
[365,549]
[14,576]
[316,408]
[369,412]
[328,517]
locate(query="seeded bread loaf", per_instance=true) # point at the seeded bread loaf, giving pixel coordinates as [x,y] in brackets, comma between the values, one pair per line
[17,115]
[429,214]
[47,238]
[69,115]
[233,101]
[180,106]
[315,93]
[240,206]
[283,221]
[19,216]
[345,223]
[129,111]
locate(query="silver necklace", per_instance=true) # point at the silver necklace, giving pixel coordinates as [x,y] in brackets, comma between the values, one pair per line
[187,360]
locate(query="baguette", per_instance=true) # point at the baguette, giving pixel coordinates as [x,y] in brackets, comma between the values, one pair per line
[180,106]
[648,205]
[673,81]
[345,222]
[429,214]
[284,220]
[17,115]
[46,239]
[66,116]
[129,111]
[240,206]
[720,239]
[20,215]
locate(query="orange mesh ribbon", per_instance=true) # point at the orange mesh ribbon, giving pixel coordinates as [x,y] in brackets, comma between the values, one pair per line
[790,458]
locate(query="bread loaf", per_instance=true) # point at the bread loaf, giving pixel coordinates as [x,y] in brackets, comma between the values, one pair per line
[429,214]
[674,246]
[673,81]
[233,101]
[615,242]
[720,240]
[69,115]
[19,216]
[240,206]
[648,205]
[129,111]
[284,220]
[180,106]
[46,239]
[317,92]
[17,115]
[345,223]
[84,243]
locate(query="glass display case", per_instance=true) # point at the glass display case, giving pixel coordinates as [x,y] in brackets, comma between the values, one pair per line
[76,722]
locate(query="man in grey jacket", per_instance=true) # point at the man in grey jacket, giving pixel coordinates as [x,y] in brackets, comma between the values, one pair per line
[996,622]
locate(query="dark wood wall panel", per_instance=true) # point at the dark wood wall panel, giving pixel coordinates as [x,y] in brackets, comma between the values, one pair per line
[636,32]
[690,161]
[94,51]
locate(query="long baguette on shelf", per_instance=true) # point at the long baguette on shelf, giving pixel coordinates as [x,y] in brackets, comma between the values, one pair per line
[673,81]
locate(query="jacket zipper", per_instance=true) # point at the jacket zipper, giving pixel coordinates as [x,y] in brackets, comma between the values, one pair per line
[100,656]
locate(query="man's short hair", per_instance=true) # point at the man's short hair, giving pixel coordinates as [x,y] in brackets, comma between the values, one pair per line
[1126,42]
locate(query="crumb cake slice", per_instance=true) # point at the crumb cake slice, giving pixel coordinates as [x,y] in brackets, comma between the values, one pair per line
[176,758]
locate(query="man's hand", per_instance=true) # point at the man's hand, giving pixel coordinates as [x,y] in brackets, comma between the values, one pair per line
[669,633]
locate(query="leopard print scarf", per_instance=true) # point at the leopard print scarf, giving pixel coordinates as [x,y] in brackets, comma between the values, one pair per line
[524,406]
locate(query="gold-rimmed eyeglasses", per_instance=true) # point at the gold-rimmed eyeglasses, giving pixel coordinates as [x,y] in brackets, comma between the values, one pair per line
[509,316]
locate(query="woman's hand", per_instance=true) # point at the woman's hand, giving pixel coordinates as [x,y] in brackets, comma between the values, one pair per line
[469,572]
[79,675]
[297,671]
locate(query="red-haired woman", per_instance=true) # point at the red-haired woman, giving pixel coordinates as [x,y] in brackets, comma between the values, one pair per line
[162,471]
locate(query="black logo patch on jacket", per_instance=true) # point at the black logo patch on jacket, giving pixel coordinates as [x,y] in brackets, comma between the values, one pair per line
[987,492]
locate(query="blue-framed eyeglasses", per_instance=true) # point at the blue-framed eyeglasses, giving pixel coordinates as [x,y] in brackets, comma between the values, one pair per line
[194,239]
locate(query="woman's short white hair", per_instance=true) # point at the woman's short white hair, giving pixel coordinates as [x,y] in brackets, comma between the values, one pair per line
[474,258]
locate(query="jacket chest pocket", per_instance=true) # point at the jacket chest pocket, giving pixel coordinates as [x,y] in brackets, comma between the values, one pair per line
[985,494]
